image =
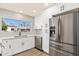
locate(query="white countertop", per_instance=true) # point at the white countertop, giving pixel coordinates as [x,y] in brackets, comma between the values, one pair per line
[1,38]
[24,36]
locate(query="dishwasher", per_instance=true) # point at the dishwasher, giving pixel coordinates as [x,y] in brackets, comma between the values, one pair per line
[38,42]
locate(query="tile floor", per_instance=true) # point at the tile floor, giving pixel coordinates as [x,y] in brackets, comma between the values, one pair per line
[32,52]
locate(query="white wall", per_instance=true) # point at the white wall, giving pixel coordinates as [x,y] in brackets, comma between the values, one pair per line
[43,18]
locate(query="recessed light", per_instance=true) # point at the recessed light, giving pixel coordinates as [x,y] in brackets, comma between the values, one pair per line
[21,11]
[46,4]
[34,11]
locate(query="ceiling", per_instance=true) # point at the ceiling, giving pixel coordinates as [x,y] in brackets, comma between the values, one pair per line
[30,9]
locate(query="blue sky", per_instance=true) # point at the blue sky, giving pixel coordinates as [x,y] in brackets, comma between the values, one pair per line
[15,22]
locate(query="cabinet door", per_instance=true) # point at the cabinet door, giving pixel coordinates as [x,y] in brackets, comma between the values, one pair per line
[7,49]
[16,44]
[68,6]
[24,43]
[28,43]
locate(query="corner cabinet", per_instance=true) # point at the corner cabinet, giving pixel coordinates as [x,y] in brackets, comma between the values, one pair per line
[17,45]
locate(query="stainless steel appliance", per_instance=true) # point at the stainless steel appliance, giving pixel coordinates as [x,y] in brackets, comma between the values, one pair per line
[38,42]
[65,39]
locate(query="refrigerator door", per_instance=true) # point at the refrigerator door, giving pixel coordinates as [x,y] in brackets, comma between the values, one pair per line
[67,33]
[77,33]
[55,21]
[67,28]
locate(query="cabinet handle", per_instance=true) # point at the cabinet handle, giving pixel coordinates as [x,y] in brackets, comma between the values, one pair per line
[6,41]
[62,8]
[9,46]
[2,45]
[22,43]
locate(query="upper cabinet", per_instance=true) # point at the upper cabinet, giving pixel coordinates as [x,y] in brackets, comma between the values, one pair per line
[67,6]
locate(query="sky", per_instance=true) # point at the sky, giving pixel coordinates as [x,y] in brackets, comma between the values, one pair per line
[15,22]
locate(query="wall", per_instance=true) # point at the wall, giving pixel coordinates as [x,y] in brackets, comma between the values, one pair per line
[43,18]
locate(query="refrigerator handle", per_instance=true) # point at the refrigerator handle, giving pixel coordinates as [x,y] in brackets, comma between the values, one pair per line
[59,29]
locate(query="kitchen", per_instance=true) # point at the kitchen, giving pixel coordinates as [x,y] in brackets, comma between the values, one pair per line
[41,27]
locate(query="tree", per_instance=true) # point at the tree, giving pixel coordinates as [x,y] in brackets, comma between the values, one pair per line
[4,26]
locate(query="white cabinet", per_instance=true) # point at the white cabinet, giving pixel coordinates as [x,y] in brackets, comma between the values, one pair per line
[27,43]
[6,50]
[38,27]
[63,7]
[70,6]
[17,45]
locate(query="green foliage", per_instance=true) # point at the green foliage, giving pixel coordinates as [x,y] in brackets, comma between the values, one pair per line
[4,26]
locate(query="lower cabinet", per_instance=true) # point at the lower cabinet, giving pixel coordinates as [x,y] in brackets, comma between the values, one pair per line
[17,45]
[7,47]
[27,43]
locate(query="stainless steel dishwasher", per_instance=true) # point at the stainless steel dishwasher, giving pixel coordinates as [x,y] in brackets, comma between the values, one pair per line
[38,42]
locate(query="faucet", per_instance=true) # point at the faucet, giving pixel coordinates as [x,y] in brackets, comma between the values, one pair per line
[19,32]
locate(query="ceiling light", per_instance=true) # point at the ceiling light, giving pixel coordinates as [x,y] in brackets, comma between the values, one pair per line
[34,11]
[21,11]
[46,4]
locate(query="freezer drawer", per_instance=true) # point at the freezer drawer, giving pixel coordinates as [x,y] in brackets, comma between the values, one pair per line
[69,48]
[54,52]
[67,54]
[62,46]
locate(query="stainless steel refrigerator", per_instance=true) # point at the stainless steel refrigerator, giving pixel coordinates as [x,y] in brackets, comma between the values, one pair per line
[64,34]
